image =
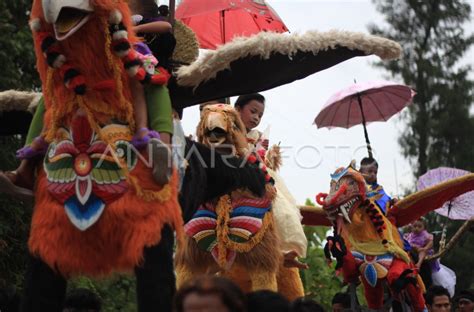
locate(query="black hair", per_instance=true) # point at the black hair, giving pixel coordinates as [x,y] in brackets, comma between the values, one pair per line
[267,301]
[228,292]
[246,98]
[366,161]
[83,299]
[342,298]
[435,291]
[305,305]
[467,294]
[163,10]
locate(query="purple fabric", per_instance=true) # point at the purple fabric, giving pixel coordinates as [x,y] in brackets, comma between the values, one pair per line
[28,152]
[420,240]
[460,208]
[140,143]
[142,48]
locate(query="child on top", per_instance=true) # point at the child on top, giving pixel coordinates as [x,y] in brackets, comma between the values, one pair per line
[251,108]
[369,169]
[152,110]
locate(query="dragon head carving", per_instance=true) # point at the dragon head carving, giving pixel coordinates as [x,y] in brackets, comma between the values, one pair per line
[347,192]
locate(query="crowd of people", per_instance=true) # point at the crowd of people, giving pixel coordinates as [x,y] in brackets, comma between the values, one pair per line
[218,294]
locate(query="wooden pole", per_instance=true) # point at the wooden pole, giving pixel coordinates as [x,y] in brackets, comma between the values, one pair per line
[465,227]
[172,6]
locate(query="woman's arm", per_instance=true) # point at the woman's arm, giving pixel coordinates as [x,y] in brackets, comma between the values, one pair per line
[153,27]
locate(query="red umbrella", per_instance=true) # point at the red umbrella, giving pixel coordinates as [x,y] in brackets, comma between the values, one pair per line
[217,22]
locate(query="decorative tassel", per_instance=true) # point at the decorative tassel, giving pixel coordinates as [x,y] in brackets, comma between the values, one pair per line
[73,79]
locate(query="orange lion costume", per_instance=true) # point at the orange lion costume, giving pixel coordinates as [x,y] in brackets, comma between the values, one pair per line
[98,208]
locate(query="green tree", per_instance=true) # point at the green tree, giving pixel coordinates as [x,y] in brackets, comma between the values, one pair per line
[439,124]
[14,224]
[17,53]
[18,72]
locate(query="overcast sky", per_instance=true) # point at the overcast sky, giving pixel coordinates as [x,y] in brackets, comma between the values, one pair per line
[311,154]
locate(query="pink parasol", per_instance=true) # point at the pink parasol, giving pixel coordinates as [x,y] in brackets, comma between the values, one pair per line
[217,22]
[461,207]
[362,103]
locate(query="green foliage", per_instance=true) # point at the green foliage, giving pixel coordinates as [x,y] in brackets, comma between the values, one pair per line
[439,123]
[17,53]
[14,223]
[117,293]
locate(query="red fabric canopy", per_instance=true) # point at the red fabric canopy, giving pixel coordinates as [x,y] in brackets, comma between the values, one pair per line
[217,22]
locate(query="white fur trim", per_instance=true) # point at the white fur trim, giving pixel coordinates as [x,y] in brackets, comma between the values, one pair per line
[264,44]
[35,24]
[59,61]
[19,100]
[115,17]
[121,34]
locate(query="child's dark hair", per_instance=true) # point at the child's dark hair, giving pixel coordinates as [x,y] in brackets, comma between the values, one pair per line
[82,299]
[305,305]
[163,10]
[422,220]
[367,161]
[435,291]
[246,98]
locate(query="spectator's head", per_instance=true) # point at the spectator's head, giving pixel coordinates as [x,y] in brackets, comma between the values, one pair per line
[210,292]
[305,305]
[418,226]
[82,300]
[437,299]
[369,168]
[267,301]
[465,301]
[341,302]
[251,108]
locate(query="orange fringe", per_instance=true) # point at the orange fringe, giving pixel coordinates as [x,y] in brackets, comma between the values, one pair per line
[115,242]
